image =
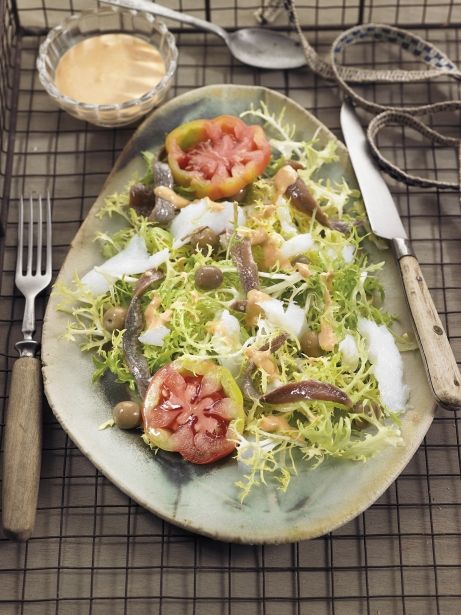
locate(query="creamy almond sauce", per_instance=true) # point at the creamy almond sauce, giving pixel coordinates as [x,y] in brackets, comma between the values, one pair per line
[272,254]
[253,310]
[264,360]
[153,317]
[286,176]
[272,422]
[256,236]
[167,194]
[262,212]
[303,270]
[109,69]
[327,336]
[218,327]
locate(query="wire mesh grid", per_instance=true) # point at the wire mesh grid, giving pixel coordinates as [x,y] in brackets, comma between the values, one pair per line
[93,549]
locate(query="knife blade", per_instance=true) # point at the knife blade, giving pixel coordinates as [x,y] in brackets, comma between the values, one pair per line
[439,360]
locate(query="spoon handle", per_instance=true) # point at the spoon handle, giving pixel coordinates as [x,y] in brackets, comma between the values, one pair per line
[163,11]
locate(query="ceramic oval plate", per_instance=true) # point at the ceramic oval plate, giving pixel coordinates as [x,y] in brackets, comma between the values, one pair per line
[204,499]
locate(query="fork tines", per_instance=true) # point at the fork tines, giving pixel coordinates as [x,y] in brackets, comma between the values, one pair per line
[38,224]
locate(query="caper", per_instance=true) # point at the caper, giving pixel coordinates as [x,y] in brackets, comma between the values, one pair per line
[302,259]
[126,414]
[114,318]
[309,342]
[142,199]
[204,238]
[208,277]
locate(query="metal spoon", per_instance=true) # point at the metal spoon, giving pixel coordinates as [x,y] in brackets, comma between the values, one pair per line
[253,46]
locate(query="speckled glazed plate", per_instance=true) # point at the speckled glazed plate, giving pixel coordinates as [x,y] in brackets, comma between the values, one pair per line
[204,499]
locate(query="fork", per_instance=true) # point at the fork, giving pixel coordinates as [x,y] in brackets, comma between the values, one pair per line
[23,424]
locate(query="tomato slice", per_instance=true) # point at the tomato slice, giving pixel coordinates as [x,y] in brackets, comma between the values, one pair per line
[189,407]
[217,157]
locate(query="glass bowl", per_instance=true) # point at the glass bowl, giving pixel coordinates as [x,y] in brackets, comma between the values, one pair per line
[107,20]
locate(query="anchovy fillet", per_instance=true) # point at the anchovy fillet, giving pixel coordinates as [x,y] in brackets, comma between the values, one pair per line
[132,349]
[244,261]
[163,211]
[302,199]
[307,390]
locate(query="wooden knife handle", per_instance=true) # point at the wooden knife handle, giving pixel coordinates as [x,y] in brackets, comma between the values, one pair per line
[440,362]
[23,449]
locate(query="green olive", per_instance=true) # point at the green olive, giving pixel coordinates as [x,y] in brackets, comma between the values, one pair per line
[208,277]
[310,345]
[114,318]
[126,414]
[204,238]
[302,259]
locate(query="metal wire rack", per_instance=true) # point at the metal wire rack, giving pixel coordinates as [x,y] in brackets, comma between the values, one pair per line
[96,552]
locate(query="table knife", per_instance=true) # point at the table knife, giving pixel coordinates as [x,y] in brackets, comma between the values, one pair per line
[439,361]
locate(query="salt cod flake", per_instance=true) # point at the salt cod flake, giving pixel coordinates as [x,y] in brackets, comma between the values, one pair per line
[227,330]
[348,253]
[203,213]
[285,219]
[154,336]
[387,363]
[297,245]
[226,341]
[349,352]
[291,320]
[133,259]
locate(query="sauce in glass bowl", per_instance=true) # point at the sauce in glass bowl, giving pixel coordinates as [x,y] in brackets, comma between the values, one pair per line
[106,55]
[109,69]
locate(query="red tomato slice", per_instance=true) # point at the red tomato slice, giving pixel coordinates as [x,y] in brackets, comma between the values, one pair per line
[218,157]
[190,412]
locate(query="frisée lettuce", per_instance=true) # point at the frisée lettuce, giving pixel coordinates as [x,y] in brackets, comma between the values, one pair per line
[318,303]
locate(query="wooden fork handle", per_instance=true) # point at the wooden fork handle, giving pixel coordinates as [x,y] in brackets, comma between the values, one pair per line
[23,449]
[440,363]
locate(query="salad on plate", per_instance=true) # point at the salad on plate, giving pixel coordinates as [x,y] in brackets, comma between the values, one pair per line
[240,306]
